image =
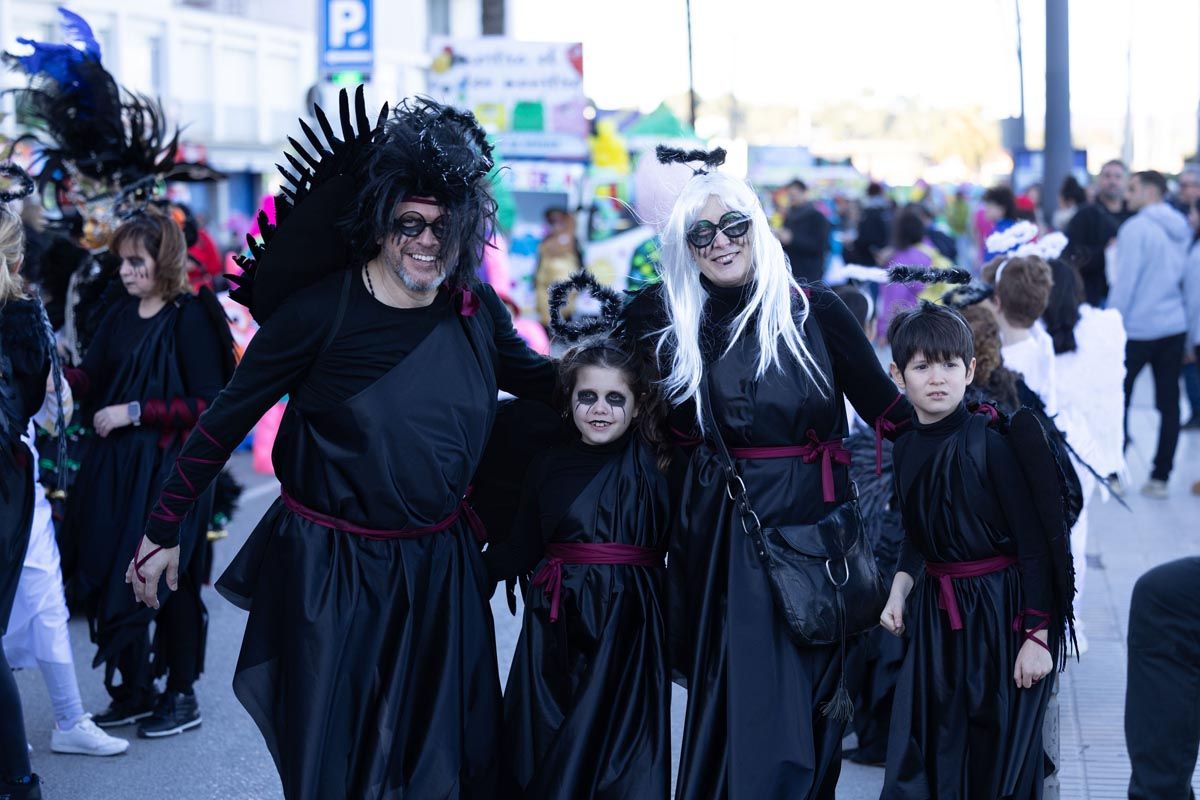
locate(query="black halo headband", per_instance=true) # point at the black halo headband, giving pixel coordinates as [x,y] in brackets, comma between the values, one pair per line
[582,282]
[905,273]
[709,159]
[961,297]
[20,185]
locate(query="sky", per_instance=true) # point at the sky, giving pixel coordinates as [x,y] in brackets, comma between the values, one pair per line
[945,52]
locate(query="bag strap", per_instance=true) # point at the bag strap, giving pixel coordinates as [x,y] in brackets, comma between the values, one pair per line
[735,487]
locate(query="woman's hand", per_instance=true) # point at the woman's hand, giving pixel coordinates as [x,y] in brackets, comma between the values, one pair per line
[1033,662]
[892,618]
[110,418]
[145,585]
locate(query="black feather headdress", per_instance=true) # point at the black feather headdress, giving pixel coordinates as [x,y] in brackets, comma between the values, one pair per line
[428,150]
[708,159]
[19,184]
[320,187]
[583,282]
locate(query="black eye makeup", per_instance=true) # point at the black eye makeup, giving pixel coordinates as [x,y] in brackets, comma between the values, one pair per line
[734,224]
[616,399]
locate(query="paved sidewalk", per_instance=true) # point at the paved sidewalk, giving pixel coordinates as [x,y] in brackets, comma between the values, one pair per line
[1121,546]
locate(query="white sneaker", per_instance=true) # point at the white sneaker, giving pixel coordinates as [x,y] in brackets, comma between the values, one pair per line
[86,739]
[1156,489]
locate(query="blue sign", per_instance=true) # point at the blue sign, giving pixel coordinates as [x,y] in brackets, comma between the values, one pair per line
[347,40]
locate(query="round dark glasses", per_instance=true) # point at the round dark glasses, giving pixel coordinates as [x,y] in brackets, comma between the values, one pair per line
[412,225]
[734,224]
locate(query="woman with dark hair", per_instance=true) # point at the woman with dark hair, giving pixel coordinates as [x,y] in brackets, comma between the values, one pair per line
[750,359]
[587,709]
[1000,211]
[159,358]
[1071,197]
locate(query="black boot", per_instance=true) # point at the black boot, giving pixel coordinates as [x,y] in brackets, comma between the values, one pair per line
[29,789]
[174,713]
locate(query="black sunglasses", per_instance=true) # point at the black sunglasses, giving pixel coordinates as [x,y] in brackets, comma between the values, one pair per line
[412,225]
[734,224]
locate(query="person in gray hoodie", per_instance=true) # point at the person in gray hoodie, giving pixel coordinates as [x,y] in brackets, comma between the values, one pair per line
[1148,290]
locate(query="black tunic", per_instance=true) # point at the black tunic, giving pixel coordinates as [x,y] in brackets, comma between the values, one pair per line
[587,709]
[134,359]
[369,665]
[960,726]
[753,727]
[24,365]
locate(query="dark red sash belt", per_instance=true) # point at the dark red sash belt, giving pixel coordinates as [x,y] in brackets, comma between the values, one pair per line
[946,574]
[550,575]
[463,510]
[828,453]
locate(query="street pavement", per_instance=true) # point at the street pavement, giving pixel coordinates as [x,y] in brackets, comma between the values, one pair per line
[225,758]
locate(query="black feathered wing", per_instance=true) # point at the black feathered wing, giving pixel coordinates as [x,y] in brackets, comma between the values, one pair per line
[306,242]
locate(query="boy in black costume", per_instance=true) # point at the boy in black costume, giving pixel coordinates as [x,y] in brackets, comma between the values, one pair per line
[987,604]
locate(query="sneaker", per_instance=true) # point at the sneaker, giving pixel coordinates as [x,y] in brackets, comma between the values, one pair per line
[31,789]
[86,739]
[1156,489]
[174,713]
[123,712]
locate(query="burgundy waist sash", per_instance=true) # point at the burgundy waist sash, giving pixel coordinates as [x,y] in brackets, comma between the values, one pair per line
[947,572]
[463,510]
[558,553]
[827,453]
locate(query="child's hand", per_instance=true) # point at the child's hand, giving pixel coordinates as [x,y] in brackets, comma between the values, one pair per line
[1033,664]
[892,617]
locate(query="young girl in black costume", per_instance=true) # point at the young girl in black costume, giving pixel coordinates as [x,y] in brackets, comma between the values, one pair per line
[987,618]
[587,706]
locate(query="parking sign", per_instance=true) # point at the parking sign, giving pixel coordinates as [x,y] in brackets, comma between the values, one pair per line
[347,40]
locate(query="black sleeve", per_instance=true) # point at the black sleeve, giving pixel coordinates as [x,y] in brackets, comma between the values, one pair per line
[910,560]
[519,370]
[1016,500]
[1088,234]
[856,368]
[522,550]
[275,362]
[94,360]
[810,233]
[199,348]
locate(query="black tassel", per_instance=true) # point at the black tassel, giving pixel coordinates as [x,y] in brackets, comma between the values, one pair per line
[841,707]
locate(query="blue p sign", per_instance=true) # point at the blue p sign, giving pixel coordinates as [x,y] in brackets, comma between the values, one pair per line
[347,40]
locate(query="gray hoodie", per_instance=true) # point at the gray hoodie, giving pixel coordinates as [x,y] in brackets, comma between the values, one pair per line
[1151,260]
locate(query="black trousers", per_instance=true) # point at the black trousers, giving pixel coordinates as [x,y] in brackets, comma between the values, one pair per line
[1162,698]
[1165,357]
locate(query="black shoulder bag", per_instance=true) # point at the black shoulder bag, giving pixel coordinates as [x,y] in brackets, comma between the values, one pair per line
[823,575]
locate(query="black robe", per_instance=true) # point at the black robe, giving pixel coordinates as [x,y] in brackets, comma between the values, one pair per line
[369,665]
[24,365]
[960,726]
[587,709]
[119,475]
[754,729]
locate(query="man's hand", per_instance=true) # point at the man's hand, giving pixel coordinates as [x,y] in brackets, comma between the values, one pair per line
[151,569]
[1033,663]
[110,418]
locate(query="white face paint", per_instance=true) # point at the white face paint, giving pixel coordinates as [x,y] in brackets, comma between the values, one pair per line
[602,404]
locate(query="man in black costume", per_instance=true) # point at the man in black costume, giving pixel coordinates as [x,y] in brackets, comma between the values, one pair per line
[369,659]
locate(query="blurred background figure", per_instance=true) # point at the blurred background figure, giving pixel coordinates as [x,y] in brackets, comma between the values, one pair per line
[804,235]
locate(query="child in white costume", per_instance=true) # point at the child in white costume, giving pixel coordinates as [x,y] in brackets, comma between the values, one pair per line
[37,631]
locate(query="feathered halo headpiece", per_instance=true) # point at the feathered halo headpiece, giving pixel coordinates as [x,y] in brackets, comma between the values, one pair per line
[15,183]
[708,160]
[581,283]
[103,149]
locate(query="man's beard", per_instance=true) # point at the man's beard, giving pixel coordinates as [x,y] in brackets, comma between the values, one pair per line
[412,283]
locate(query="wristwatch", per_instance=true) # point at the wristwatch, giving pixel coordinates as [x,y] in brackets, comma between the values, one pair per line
[135,413]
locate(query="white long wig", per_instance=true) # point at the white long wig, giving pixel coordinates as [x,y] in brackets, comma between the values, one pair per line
[774,298]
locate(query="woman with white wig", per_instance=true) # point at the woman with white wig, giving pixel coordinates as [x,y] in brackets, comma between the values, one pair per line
[728,323]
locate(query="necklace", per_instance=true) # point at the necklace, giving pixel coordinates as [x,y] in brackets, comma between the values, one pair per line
[370,286]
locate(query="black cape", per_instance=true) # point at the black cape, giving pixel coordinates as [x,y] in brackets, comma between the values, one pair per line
[587,709]
[370,666]
[960,726]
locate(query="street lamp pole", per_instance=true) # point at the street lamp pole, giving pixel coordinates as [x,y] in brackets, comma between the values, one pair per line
[691,78]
